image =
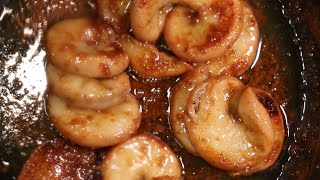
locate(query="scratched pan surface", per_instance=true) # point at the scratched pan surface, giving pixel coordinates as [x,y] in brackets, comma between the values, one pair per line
[288,67]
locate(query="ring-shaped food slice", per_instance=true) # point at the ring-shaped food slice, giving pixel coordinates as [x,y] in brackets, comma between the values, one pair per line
[115,12]
[199,31]
[85,92]
[141,157]
[242,54]
[85,47]
[181,93]
[254,96]
[149,62]
[92,128]
[227,135]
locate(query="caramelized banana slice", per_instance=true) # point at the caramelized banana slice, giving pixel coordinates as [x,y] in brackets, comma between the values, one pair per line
[58,159]
[257,96]
[115,12]
[226,126]
[204,31]
[95,128]
[141,157]
[85,92]
[84,47]
[148,61]
[242,54]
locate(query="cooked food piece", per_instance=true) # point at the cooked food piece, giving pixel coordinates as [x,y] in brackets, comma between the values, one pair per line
[178,102]
[141,157]
[197,31]
[181,92]
[229,126]
[85,92]
[148,18]
[242,54]
[203,30]
[148,61]
[91,128]
[58,159]
[115,12]
[252,95]
[85,47]
[238,59]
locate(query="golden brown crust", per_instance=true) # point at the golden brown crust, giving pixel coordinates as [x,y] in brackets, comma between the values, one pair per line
[234,127]
[278,126]
[58,159]
[92,128]
[115,13]
[207,34]
[142,156]
[149,62]
[85,92]
[85,47]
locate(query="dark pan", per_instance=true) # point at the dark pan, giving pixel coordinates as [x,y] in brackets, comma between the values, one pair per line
[288,68]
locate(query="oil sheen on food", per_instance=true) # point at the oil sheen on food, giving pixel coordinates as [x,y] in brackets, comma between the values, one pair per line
[25,124]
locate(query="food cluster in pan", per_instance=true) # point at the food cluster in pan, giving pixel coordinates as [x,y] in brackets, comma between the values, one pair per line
[213,115]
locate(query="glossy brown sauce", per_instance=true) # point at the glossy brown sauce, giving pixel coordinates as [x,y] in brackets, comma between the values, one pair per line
[57,158]
[25,124]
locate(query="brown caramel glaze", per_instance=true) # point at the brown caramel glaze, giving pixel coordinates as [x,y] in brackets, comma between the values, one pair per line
[58,159]
[269,104]
[149,62]
[86,47]
[216,33]
[213,39]
[143,156]
[115,13]
[24,123]
[38,15]
[277,123]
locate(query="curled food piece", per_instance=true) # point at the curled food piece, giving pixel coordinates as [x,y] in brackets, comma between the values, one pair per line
[141,157]
[58,159]
[85,92]
[148,61]
[181,92]
[251,97]
[229,126]
[148,18]
[85,47]
[204,32]
[115,12]
[197,31]
[237,59]
[241,55]
[91,128]
[178,102]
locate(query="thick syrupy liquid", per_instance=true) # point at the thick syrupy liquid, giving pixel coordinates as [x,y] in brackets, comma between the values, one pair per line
[25,124]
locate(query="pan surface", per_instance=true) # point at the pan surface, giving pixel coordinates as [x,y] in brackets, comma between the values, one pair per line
[288,67]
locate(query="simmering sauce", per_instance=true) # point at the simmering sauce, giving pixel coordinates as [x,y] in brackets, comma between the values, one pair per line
[24,123]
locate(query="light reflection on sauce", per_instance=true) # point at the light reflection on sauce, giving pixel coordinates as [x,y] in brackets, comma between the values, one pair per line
[6,11]
[26,124]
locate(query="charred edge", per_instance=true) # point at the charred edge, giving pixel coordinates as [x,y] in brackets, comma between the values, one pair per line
[268,103]
[196,106]
[104,67]
[117,52]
